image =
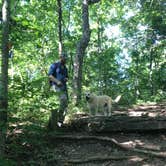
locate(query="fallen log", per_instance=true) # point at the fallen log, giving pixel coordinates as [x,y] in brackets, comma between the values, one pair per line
[118,123]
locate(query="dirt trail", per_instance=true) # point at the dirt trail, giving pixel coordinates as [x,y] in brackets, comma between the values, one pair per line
[84,149]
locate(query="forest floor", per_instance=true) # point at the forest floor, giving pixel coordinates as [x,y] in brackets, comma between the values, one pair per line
[30,144]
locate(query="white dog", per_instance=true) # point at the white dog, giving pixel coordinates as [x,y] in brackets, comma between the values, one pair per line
[101,104]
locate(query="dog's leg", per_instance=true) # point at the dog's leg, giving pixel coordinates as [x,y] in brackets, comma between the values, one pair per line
[92,110]
[106,109]
[109,108]
[109,112]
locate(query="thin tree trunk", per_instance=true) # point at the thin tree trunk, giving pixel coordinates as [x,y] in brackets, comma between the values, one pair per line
[137,77]
[4,75]
[99,54]
[80,53]
[81,47]
[60,26]
[151,71]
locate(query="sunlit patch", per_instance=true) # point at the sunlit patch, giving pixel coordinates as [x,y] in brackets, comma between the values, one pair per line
[153,114]
[133,113]
[136,159]
[129,144]
[17,131]
[147,110]
[129,14]
[139,142]
[133,144]
[141,27]
[113,31]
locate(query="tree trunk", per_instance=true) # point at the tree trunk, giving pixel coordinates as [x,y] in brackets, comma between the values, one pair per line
[99,45]
[60,26]
[151,71]
[4,75]
[81,47]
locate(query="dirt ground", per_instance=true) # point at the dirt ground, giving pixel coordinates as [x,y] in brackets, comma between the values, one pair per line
[35,146]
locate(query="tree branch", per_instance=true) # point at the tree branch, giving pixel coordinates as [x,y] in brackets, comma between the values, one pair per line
[93,1]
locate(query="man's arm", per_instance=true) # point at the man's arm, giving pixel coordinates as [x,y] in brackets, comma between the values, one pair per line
[53,79]
[51,74]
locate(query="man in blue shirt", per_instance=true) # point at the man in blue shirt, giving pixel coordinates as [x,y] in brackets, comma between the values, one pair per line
[58,76]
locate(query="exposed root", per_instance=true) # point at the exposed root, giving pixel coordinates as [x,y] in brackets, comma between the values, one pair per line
[160,154]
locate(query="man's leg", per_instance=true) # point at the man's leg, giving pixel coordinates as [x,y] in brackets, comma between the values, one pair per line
[54,111]
[63,106]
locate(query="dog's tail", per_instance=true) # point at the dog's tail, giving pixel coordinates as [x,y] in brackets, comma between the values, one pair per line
[117,99]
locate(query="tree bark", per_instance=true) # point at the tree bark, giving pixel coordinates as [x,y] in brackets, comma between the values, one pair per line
[4,75]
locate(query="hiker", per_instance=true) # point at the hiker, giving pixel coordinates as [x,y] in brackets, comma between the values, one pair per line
[58,76]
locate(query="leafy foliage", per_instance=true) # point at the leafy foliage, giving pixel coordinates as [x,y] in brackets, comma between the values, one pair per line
[129,60]
[126,55]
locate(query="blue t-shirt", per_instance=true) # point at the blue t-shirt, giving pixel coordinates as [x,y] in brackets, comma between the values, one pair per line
[59,71]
